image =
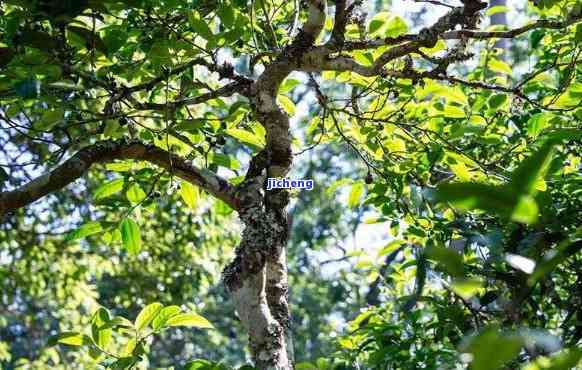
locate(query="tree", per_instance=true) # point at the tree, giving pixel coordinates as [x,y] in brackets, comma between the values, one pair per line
[116,83]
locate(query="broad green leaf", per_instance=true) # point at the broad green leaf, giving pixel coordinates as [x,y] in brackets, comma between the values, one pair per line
[452,111]
[391,247]
[568,359]
[288,85]
[537,123]
[118,321]
[100,332]
[119,166]
[497,101]
[386,24]
[468,196]
[247,137]
[287,104]
[525,177]
[199,25]
[190,320]
[448,258]
[526,210]
[108,189]
[224,160]
[466,288]
[49,119]
[199,365]
[84,230]
[355,194]
[147,315]
[491,349]
[131,237]
[395,27]
[165,314]
[71,339]
[222,208]
[189,194]
[499,66]
[135,194]
[129,347]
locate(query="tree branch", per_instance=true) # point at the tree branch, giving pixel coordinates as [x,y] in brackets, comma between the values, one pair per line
[107,151]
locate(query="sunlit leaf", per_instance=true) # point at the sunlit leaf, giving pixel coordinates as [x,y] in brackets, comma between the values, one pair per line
[190,320]
[108,189]
[355,194]
[131,236]
[164,315]
[189,194]
[135,194]
[89,228]
[492,349]
[147,315]
[466,288]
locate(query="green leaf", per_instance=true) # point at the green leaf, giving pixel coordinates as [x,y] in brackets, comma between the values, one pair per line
[119,166]
[447,257]
[118,322]
[469,196]
[524,178]
[224,160]
[526,210]
[247,137]
[288,85]
[395,27]
[499,66]
[84,230]
[355,194]
[287,104]
[189,194]
[491,350]
[199,25]
[199,365]
[452,111]
[466,288]
[147,315]
[71,339]
[537,123]
[131,237]
[49,119]
[387,25]
[497,100]
[568,359]
[101,334]
[92,39]
[135,194]
[190,320]
[165,314]
[108,189]
[222,208]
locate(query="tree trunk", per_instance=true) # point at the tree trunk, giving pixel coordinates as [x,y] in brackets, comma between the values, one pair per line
[257,281]
[257,278]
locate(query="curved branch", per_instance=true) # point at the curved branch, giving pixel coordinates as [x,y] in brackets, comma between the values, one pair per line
[108,151]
